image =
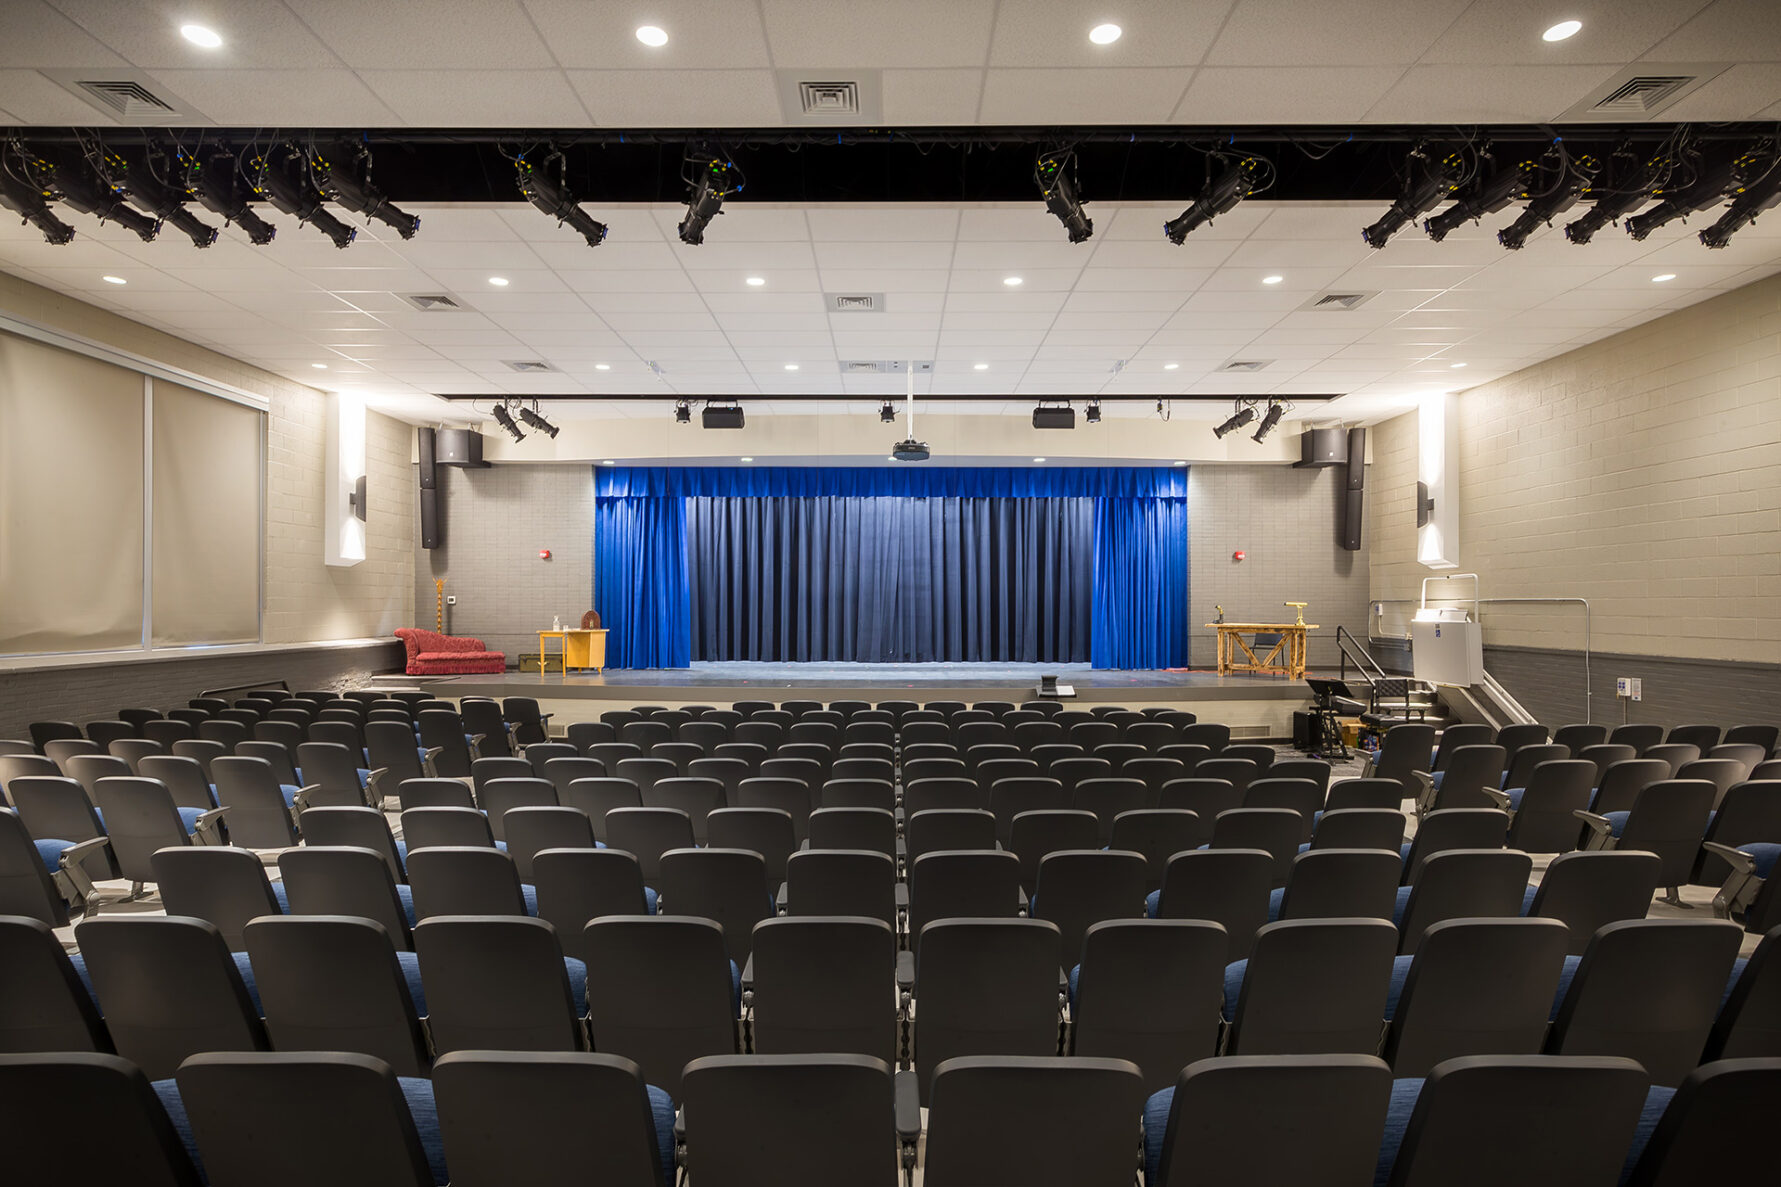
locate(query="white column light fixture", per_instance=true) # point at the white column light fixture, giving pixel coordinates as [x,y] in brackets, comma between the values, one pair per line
[1437,482]
[343,473]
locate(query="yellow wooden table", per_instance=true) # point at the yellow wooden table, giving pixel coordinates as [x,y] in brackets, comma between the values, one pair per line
[581,649]
[1236,655]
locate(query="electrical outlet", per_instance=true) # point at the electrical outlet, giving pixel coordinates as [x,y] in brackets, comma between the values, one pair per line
[451,599]
[1630,688]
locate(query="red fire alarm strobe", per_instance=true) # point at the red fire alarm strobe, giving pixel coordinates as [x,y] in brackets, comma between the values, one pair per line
[1238,555]
[544,554]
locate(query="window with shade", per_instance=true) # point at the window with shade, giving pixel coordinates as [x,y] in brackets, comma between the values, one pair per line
[130,507]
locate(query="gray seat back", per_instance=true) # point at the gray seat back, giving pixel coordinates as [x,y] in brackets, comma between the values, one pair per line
[47,1008]
[853,882]
[224,885]
[1454,828]
[660,993]
[1229,887]
[532,830]
[747,1121]
[1078,888]
[951,884]
[496,984]
[464,880]
[1587,891]
[1462,884]
[819,986]
[1151,991]
[985,1111]
[360,828]
[1342,884]
[139,819]
[258,816]
[1749,1024]
[1359,828]
[984,987]
[497,797]
[1314,987]
[727,886]
[323,880]
[1703,1136]
[578,885]
[1275,830]
[45,1135]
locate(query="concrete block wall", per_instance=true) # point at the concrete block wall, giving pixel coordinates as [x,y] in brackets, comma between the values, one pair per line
[495,522]
[1286,521]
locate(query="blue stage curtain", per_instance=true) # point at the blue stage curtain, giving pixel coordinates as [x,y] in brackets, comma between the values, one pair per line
[1140,601]
[640,582]
[1062,482]
[891,579]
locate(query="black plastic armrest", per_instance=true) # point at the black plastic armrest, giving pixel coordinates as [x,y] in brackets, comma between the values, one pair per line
[908,1106]
[905,970]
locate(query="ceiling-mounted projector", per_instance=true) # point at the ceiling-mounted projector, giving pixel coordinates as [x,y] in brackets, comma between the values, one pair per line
[910,450]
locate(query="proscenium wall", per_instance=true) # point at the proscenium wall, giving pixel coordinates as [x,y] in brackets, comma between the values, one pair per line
[496,521]
[1642,472]
[1285,520]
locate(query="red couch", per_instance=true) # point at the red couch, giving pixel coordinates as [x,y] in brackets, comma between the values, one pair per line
[433,654]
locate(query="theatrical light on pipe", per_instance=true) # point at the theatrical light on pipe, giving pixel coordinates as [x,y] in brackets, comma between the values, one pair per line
[1093,414]
[343,174]
[715,181]
[1240,418]
[1749,200]
[78,184]
[1480,200]
[149,194]
[887,412]
[505,420]
[554,197]
[30,204]
[683,412]
[535,419]
[1630,187]
[282,178]
[216,184]
[1052,174]
[1221,194]
[1426,189]
[1548,206]
[1709,189]
[1276,410]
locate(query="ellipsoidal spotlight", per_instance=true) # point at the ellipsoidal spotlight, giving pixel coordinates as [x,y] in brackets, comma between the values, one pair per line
[1481,199]
[150,193]
[281,176]
[1053,174]
[716,179]
[1630,187]
[1241,417]
[1221,194]
[78,184]
[554,197]
[1751,198]
[1571,185]
[1093,413]
[1276,410]
[343,175]
[887,412]
[30,203]
[505,420]
[683,412]
[1428,185]
[535,419]
[215,182]
[1709,189]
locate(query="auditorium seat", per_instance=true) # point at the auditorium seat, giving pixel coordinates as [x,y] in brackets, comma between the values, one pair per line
[937,829]
[43,1006]
[1311,987]
[224,886]
[1587,891]
[984,987]
[597,797]
[818,984]
[49,1141]
[1749,1021]
[1668,818]
[321,880]
[531,830]
[1358,828]
[467,880]
[1078,888]
[55,807]
[141,817]
[1226,886]
[661,992]
[1705,1133]
[1204,797]
[726,886]
[335,771]
[498,797]
[499,984]
[987,1110]
[491,732]
[1275,830]
[1150,991]
[1157,834]
[951,884]
[1543,810]
[1453,828]
[539,754]
[1338,884]
[1461,884]
[1035,834]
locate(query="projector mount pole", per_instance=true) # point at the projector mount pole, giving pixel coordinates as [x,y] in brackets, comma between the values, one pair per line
[909,375]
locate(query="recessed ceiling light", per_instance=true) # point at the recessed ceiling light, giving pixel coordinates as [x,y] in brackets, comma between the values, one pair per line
[1658,279]
[1012,281]
[791,366]
[607,462]
[1038,459]
[746,459]
[114,280]
[1456,366]
[652,36]
[756,281]
[319,366]
[1272,279]
[200,35]
[1561,31]
[1171,366]
[499,282]
[602,366]
[979,366]
[1178,463]
[1105,34]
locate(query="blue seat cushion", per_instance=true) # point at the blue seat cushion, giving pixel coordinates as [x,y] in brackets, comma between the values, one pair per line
[577,972]
[1075,975]
[410,964]
[529,892]
[1616,822]
[649,902]
[1401,1105]
[405,892]
[1400,972]
[735,989]
[1404,851]
[1657,1099]
[175,1107]
[1275,898]
[1156,1124]
[1403,903]
[402,853]
[1515,794]
[419,1095]
[1527,899]
[1731,982]
[188,817]
[1437,777]
[661,1111]
[282,897]
[289,791]
[1565,976]
[1765,855]
[1150,902]
[1234,973]
[1305,848]
[364,777]
[50,853]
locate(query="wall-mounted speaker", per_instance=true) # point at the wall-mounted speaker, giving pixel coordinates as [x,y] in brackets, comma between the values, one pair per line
[461,447]
[428,458]
[430,525]
[1353,505]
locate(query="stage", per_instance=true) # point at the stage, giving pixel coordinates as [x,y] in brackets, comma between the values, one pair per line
[1255,706]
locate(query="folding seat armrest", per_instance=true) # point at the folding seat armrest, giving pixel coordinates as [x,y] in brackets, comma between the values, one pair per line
[780,901]
[907,1091]
[300,801]
[1500,799]
[209,830]
[747,977]
[427,763]
[1741,863]
[1425,794]
[1739,883]
[78,880]
[905,972]
[474,742]
[374,788]
[1599,825]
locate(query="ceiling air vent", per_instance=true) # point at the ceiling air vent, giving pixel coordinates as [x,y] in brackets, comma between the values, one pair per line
[129,99]
[854,302]
[433,302]
[830,98]
[527,366]
[1642,95]
[1641,91]
[125,96]
[1246,365]
[1338,302]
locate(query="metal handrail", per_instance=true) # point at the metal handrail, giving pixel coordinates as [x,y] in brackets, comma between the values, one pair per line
[1345,641]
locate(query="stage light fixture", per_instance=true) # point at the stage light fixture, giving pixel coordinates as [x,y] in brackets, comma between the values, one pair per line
[77,182]
[1054,418]
[683,412]
[536,420]
[1572,185]
[1219,196]
[1053,172]
[716,178]
[887,413]
[1428,183]
[281,176]
[723,416]
[555,198]
[215,183]
[505,420]
[1708,189]
[343,175]
[1276,410]
[1237,420]
[1631,186]
[29,202]
[1093,414]
[1480,199]
[145,188]
[1750,198]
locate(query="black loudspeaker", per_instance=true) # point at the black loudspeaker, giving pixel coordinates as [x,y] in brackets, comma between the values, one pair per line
[430,526]
[1355,500]
[429,459]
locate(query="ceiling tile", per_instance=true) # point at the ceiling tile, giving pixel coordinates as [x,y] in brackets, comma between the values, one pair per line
[317,98]
[1223,95]
[1055,33]
[1488,94]
[1726,30]
[1741,93]
[439,35]
[38,36]
[1331,32]
[816,33]
[919,98]
[602,34]
[256,33]
[678,98]
[1145,95]
[477,98]
[1507,32]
